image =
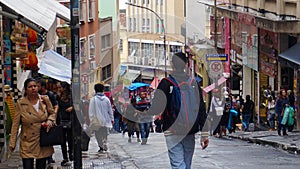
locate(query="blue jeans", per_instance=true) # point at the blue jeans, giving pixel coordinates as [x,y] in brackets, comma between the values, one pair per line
[180,149]
[246,120]
[271,120]
[117,124]
[281,126]
[145,129]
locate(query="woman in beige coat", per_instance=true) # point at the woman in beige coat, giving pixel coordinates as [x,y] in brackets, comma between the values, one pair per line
[31,111]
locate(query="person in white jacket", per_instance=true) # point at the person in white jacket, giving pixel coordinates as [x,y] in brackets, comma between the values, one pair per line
[100,108]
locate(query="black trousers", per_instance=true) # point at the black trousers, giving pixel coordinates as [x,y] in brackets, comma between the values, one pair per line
[67,137]
[29,162]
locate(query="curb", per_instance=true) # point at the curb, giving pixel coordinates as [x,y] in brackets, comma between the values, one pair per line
[291,148]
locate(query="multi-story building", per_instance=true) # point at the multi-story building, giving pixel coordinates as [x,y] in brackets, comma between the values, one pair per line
[143,42]
[264,39]
[111,9]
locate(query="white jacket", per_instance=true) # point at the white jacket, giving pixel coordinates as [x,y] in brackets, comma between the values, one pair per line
[100,107]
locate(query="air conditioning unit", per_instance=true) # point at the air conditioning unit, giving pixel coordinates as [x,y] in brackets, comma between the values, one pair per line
[93,65]
[61,49]
[152,62]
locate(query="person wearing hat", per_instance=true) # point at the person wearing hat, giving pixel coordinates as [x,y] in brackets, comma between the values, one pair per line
[180,146]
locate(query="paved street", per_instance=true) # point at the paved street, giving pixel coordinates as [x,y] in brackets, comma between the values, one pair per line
[227,153]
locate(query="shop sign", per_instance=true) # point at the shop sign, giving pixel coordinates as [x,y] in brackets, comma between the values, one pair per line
[267,68]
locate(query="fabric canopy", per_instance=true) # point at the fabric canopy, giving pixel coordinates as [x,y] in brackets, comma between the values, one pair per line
[292,54]
[137,85]
[40,12]
[56,66]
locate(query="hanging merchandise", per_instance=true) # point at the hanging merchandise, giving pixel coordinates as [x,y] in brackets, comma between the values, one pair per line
[20,41]
[31,61]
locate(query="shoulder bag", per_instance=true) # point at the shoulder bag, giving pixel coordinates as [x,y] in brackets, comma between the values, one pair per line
[95,123]
[53,137]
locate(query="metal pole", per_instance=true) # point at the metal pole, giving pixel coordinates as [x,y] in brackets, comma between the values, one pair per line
[76,127]
[215,17]
[163,26]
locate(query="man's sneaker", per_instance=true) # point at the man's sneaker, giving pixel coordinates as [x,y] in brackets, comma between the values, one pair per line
[138,140]
[65,163]
[129,140]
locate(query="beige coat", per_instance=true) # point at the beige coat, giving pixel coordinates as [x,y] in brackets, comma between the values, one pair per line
[30,121]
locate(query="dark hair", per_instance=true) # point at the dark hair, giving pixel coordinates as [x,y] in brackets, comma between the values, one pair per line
[247,97]
[42,82]
[66,87]
[26,84]
[99,87]
[179,60]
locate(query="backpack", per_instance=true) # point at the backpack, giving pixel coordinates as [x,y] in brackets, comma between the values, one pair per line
[184,106]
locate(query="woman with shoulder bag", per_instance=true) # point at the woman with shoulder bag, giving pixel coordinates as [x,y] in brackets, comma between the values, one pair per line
[65,113]
[31,110]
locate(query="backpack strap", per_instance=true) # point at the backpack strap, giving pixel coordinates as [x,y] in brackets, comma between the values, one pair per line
[172,80]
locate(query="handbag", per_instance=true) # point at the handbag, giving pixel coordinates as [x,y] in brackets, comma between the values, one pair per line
[95,124]
[53,137]
[66,124]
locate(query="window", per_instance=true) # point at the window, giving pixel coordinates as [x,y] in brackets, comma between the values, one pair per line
[82,11]
[162,26]
[106,72]
[143,2]
[159,52]
[147,52]
[157,25]
[134,25]
[144,25]
[92,47]
[105,41]
[161,2]
[148,25]
[92,77]
[92,6]
[121,46]
[83,50]
[130,25]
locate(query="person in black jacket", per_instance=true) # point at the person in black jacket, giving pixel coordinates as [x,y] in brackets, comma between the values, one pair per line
[180,146]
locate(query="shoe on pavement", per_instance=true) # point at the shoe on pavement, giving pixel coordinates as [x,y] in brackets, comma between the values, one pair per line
[129,140]
[64,163]
[138,140]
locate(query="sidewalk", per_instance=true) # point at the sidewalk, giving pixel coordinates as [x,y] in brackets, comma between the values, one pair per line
[290,143]
[117,157]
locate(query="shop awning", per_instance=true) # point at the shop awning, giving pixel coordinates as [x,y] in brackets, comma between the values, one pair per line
[292,54]
[130,76]
[56,66]
[43,13]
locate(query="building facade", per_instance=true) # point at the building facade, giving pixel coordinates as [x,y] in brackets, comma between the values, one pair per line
[262,35]
[148,31]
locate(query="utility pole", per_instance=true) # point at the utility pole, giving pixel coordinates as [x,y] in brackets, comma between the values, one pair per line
[76,127]
[215,17]
[163,28]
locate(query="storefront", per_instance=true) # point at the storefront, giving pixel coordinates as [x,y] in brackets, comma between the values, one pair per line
[290,77]
[26,26]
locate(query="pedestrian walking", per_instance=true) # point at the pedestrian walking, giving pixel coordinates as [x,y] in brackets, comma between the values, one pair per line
[176,95]
[64,117]
[42,87]
[281,102]
[271,112]
[131,120]
[100,108]
[31,110]
[247,112]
